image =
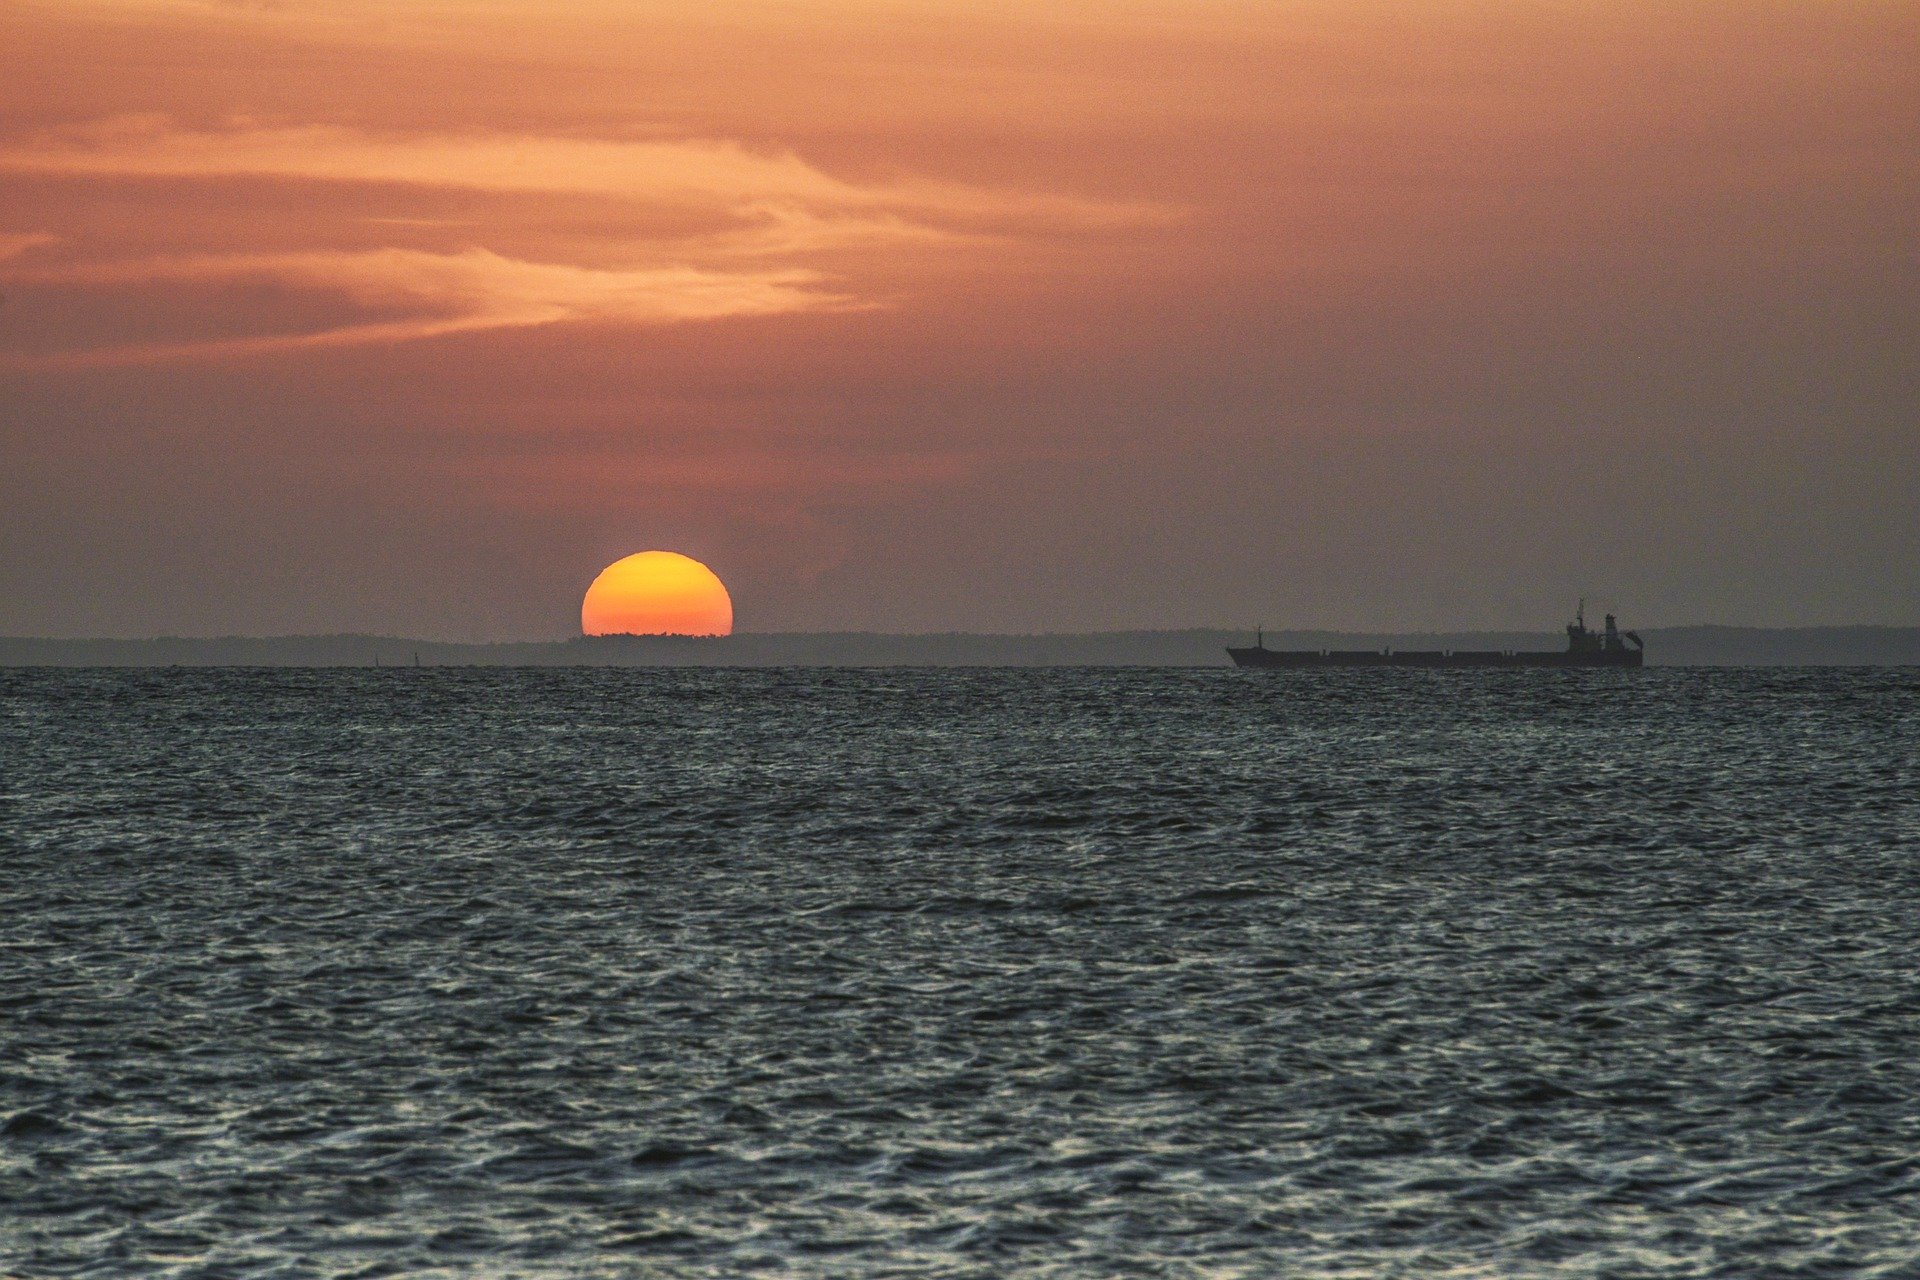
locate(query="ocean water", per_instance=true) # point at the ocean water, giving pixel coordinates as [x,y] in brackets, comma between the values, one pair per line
[959,973]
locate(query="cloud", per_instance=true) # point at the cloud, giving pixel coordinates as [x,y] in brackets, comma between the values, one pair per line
[448,293]
[689,230]
[688,172]
[15,243]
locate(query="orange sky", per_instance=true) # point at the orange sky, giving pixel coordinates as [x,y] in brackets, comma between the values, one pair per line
[411,316]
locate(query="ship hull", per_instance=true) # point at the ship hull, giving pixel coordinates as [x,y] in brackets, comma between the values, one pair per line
[1312,659]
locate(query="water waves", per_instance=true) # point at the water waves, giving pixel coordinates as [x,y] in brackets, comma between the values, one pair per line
[842,974]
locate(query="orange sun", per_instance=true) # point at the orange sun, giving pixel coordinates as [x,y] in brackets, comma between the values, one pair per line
[657,593]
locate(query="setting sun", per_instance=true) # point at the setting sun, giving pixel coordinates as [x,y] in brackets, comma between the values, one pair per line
[657,593]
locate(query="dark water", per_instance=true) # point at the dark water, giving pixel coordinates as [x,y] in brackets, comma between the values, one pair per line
[1021,973]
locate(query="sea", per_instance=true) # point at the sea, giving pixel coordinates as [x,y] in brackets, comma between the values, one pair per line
[959,973]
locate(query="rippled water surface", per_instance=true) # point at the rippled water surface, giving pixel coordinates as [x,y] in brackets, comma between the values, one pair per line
[992,973]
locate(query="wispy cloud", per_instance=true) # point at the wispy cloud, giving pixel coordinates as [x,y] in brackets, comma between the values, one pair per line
[449,292]
[688,172]
[15,243]
[710,228]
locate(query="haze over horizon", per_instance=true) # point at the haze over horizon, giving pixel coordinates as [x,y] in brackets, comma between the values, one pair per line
[408,318]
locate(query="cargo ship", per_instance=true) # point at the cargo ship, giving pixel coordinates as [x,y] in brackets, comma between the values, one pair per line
[1611,647]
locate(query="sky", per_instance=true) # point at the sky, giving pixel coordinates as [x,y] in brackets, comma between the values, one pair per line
[408,316]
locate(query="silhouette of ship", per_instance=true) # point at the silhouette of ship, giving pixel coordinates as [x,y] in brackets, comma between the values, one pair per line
[1608,648]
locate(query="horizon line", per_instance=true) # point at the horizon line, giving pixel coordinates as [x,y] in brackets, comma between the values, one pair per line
[624,637]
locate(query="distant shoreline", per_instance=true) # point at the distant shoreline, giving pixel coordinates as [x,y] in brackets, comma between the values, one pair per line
[1671,646]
